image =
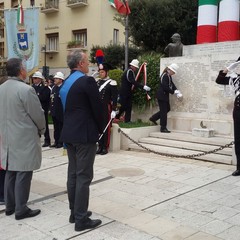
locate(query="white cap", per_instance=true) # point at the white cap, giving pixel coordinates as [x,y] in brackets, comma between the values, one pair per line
[174,67]
[59,75]
[38,75]
[134,63]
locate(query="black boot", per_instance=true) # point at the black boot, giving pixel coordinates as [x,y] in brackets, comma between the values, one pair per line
[104,151]
[99,151]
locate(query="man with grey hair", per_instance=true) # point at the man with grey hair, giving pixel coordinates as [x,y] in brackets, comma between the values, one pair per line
[175,48]
[82,125]
[21,125]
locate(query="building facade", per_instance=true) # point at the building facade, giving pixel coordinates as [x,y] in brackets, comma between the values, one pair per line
[67,24]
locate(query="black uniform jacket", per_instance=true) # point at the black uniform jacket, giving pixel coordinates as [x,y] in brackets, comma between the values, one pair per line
[166,87]
[109,93]
[128,80]
[83,114]
[56,107]
[43,93]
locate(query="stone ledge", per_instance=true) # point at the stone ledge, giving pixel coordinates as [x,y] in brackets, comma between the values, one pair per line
[203,132]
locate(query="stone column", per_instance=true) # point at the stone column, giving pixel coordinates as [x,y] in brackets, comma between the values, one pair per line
[228,24]
[207,21]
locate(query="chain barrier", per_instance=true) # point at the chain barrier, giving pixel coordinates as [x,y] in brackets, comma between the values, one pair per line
[193,156]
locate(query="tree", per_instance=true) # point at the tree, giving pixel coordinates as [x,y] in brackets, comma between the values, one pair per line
[153,22]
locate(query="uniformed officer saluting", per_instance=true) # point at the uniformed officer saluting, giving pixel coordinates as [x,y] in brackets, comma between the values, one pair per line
[108,93]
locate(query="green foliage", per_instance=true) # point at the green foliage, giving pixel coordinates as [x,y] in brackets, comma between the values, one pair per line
[136,124]
[116,75]
[153,62]
[152,23]
[115,54]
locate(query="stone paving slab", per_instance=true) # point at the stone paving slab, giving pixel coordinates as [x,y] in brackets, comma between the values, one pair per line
[169,199]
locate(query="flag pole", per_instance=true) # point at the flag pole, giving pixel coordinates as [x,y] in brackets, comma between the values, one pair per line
[126,42]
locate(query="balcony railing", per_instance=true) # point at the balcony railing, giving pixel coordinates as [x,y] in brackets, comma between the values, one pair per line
[50,6]
[76,3]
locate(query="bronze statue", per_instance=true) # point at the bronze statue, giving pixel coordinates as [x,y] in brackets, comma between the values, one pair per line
[175,48]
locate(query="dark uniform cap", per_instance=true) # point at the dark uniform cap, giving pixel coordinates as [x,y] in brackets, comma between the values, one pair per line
[105,66]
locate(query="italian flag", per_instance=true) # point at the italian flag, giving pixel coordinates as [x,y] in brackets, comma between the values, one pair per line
[207,21]
[20,17]
[228,23]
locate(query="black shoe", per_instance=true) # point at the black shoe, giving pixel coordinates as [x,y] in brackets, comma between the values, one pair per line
[59,145]
[236,173]
[46,144]
[9,212]
[72,217]
[99,151]
[165,130]
[153,121]
[87,224]
[104,151]
[30,213]
[53,145]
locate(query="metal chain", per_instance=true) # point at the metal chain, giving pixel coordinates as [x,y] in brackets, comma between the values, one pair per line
[193,156]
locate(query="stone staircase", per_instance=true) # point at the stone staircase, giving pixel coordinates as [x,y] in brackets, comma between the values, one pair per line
[187,144]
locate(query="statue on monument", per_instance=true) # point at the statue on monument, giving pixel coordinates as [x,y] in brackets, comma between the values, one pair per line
[175,48]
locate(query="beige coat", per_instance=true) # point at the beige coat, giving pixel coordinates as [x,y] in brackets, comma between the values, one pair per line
[21,122]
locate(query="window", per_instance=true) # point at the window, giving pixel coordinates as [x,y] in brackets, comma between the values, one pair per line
[52,42]
[115,36]
[1,50]
[80,35]
[14,3]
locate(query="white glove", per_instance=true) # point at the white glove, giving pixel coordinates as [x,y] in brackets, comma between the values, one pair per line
[146,88]
[232,66]
[179,95]
[176,92]
[113,114]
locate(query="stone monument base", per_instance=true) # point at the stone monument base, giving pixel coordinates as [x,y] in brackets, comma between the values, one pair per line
[203,132]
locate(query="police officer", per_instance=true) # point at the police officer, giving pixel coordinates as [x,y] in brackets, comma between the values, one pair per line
[56,109]
[126,93]
[108,93]
[233,80]
[43,93]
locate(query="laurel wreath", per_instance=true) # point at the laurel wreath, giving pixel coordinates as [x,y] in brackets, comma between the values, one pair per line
[26,54]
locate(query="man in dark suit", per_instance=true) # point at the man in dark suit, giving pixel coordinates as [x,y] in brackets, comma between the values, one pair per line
[56,109]
[43,92]
[82,125]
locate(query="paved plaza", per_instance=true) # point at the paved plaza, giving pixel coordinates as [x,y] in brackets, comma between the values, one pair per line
[138,196]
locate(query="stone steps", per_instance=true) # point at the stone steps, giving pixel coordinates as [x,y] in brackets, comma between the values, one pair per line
[183,144]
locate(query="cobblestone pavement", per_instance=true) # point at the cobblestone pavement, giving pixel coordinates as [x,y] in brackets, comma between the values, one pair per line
[138,196]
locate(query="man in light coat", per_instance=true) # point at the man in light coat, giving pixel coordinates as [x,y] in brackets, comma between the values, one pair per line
[21,124]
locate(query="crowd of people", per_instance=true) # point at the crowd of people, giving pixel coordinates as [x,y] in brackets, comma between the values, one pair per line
[82,109]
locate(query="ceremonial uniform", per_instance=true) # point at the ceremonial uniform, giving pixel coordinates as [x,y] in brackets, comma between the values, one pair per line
[43,93]
[235,84]
[56,110]
[108,93]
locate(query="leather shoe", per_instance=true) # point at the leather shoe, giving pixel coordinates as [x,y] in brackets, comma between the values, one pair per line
[72,217]
[28,214]
[9,212]
[87,224]
[99,151]
[165,130]
[59,145]
[153,121]
[46,144]
[236,173]
[104,151]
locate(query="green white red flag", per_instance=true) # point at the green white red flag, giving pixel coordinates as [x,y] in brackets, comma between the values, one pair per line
[122,7]
[20,15]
